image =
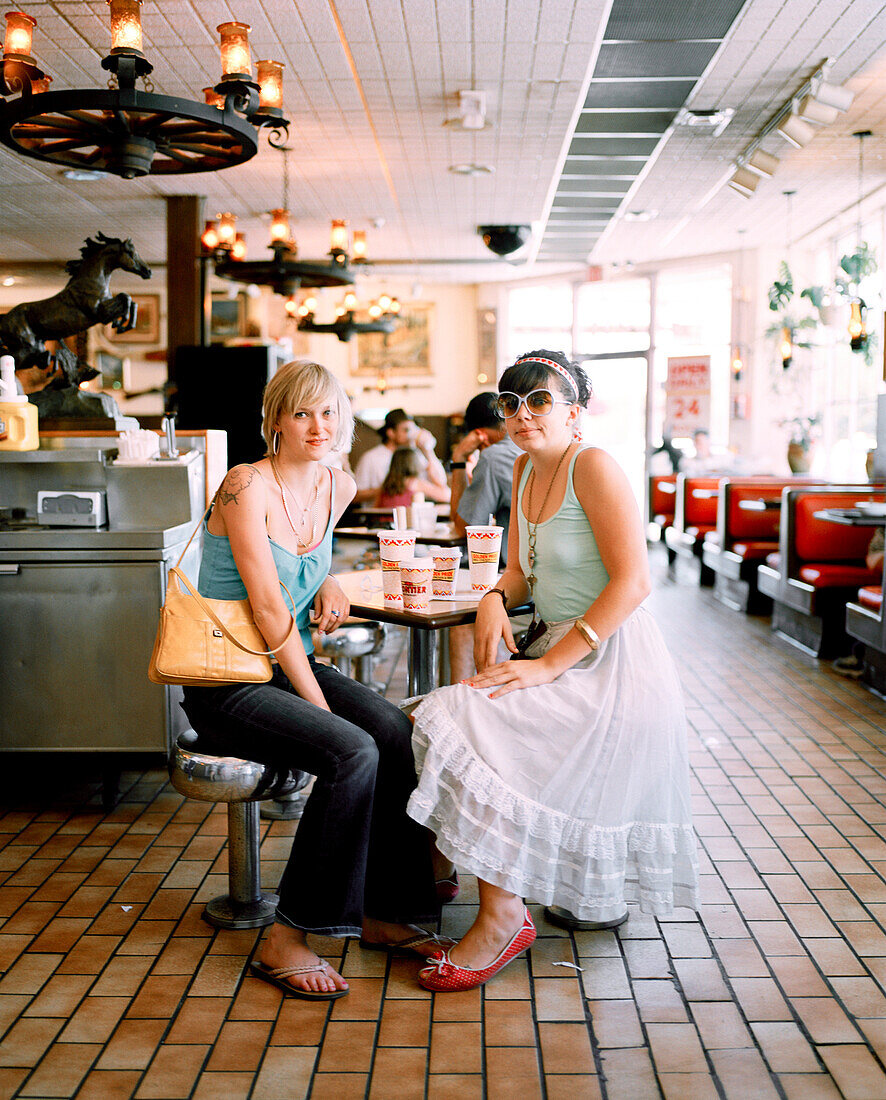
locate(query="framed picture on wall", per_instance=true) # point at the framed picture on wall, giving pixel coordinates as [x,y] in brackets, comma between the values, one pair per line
[227,317]
[405,351]
[114,370]
[147,323]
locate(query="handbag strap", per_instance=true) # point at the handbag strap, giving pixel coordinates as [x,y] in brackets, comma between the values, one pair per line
[207,610]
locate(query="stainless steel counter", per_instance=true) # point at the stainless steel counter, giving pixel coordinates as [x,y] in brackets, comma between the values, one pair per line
[32,538]
[79,606]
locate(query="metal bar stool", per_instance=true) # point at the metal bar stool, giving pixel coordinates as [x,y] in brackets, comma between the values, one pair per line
[242,784]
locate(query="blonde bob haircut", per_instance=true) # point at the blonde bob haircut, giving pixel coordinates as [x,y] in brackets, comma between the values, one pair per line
[298,385]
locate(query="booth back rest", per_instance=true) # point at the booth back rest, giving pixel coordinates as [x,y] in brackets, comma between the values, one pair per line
[662,502]
[742,524]
[818,540]
[700,511]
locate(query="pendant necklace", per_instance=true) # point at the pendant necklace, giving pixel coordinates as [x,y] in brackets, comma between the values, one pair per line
[311,506]
[533,527]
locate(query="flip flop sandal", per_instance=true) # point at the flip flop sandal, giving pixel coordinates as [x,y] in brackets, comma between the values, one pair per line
[411,943]
[278,976]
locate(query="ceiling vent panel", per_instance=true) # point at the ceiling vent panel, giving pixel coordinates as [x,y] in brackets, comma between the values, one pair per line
[612,147]
[654,59]
[651,20]
[624,122]
[609,167]
[660,94]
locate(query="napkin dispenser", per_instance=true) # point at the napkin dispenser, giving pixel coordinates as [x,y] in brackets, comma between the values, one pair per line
[73,508]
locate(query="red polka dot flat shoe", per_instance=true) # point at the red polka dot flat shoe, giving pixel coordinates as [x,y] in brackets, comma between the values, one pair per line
[444,976]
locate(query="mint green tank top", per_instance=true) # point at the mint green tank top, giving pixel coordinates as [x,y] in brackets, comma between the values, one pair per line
[301,573]
[570,572]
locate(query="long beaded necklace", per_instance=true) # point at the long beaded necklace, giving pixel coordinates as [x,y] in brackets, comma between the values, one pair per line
[312,506]
[533,527]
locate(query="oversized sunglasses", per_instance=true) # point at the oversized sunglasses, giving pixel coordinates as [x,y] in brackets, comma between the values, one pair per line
[538,402]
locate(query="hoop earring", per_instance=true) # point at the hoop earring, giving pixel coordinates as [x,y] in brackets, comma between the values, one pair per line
[275,444]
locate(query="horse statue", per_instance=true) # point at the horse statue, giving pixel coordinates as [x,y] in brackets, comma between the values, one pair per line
[86,300]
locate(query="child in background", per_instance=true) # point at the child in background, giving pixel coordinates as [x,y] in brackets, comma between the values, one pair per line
[404,481]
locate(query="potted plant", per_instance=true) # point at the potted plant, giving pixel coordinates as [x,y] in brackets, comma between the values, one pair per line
[801,442]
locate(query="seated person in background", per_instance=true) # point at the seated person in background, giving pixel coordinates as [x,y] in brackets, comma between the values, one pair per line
[398,430]
[404,480]
[486,490]
[852,665]
[707,462]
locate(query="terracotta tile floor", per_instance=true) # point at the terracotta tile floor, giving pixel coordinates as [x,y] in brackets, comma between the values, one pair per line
[112,985]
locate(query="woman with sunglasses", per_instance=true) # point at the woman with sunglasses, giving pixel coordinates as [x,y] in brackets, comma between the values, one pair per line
[561,776]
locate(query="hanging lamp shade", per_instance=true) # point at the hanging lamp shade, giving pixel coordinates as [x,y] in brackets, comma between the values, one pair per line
[126,25]
[269,75]
[18,41]
[234,48]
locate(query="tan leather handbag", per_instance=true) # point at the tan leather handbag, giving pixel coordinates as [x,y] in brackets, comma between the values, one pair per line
[208,643]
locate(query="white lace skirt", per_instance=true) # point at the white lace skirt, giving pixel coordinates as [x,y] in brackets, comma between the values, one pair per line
[573,793]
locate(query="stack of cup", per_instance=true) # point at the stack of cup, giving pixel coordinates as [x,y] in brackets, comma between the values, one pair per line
[394,547]
[484,548]
[446,563]
[415,580]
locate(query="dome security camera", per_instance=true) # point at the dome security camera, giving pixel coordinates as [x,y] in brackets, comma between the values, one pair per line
[504,239]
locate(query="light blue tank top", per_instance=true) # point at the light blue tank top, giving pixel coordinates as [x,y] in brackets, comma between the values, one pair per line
[301,573]
[570,572]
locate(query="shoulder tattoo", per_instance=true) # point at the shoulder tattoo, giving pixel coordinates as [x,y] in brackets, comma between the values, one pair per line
[237,482]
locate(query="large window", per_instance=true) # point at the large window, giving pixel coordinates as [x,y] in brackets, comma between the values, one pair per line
[843,385]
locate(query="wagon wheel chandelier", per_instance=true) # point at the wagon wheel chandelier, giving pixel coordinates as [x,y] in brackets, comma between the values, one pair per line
[129,132]
[286,274]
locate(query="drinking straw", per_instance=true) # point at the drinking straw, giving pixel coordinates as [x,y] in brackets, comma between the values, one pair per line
[400,518]
[491,519]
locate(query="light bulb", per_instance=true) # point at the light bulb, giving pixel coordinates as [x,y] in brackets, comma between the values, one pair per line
[350,301]
[238,249]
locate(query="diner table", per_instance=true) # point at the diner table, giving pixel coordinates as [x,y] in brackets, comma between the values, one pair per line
[444,534]
[363,589]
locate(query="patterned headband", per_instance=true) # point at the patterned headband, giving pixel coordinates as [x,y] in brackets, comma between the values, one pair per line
[555,367]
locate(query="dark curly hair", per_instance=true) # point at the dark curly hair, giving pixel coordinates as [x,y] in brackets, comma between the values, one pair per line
[524,377]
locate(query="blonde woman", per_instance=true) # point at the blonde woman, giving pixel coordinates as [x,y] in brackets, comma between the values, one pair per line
[358,865]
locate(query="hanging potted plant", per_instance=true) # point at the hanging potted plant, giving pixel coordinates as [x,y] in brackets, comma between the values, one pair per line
[801,443]
[854,267]
[787,329]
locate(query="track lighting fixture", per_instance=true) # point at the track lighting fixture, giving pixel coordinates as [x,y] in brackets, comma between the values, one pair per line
[795,131]
[744,182]
[811,109]
[816,103]
[764,164]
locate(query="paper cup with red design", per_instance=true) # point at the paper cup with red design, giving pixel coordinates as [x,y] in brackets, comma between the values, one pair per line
[393,547]
[416,577]
[484,548]
[446,563]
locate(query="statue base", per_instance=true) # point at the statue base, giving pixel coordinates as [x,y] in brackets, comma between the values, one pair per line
[73,409]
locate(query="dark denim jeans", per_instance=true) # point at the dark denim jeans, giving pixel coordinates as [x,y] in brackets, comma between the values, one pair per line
[355,851]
